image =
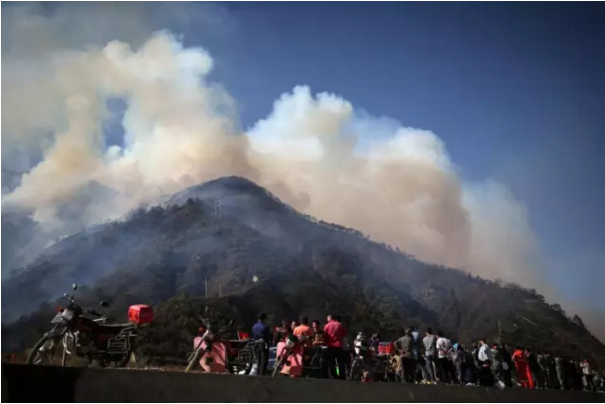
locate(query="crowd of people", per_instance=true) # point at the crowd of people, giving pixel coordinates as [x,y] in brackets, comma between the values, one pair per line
[433,358]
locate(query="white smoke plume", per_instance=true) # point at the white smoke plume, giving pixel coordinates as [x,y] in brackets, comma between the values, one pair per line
[401,189]
[317,152]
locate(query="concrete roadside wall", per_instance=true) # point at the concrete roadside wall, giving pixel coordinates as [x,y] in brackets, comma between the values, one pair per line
[22,383]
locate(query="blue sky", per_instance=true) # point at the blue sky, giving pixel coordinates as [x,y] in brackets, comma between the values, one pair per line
[515,90]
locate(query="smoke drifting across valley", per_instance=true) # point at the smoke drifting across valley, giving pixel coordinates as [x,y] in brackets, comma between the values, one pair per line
[315,151]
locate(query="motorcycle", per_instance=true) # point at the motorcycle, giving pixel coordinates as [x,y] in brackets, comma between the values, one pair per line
[290,356]
[210,350]
[360,369]
[75,334]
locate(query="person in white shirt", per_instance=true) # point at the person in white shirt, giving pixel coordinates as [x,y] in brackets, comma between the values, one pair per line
[444,352]
[485,352]
[587,374]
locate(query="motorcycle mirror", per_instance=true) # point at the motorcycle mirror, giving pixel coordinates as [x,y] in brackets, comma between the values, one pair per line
[104,303]
[74,287]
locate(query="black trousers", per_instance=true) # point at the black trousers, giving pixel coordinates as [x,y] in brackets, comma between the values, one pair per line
[485,376]
[262,357]
[508,378]
[335,357]
[408,370]
[446,370]
[589,383]
[537,373]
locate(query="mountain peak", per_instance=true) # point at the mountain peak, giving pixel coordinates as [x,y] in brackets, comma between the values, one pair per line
[235,193]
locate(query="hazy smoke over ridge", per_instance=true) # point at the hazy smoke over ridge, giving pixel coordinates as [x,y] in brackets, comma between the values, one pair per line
[317,152]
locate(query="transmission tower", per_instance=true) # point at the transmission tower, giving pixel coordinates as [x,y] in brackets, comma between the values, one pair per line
[218,207]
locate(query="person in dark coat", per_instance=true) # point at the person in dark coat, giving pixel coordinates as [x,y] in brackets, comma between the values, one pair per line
[570,374]
[507,365]
[579,382]
[470,366]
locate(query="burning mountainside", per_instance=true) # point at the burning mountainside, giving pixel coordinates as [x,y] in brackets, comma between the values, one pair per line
[305,267]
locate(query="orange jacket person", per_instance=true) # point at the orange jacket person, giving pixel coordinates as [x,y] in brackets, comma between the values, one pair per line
[523,371]
[303,330]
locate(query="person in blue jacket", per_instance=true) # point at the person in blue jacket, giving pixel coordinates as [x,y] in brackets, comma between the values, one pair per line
[261,334]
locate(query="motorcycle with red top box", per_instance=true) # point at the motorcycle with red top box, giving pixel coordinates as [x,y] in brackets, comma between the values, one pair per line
[77,332]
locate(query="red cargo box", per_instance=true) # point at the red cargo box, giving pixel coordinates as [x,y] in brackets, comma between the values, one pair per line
[386,348]
[140,314]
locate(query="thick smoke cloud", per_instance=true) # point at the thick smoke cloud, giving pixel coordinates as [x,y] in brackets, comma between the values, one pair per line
[403,189]
[174,136]
[317,152]
[180,130]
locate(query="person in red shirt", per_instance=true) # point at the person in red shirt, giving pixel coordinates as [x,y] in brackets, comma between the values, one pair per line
[335,333]
[523,371]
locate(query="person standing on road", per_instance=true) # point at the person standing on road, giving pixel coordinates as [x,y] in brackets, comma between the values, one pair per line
[580,382]
[420,372]
[507,365]
[551,375]
[523,371]
[444,353]
[587,374]
[344,361]
[570,372]
[261,334]
[497,375]
[470,365]
[458,357]
[484,359]
[430,351]
[560,369]
[405,346]
[319,342]
[335,333]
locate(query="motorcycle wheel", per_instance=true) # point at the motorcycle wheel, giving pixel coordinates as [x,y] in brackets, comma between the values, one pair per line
[110,362]
[194,359]
[122,363]
[279,365]
[44,351]
[354,371]
[64,358]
